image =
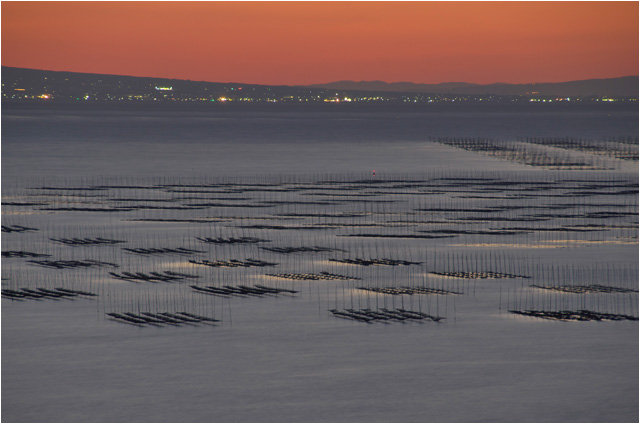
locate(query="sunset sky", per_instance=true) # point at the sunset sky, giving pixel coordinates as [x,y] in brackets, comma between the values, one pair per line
[317,42]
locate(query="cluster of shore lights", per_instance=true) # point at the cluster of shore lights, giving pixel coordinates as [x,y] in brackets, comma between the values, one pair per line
[337,100]
[566,99]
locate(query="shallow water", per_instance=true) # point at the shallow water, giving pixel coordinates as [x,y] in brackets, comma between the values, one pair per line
[167,140]
[286,358]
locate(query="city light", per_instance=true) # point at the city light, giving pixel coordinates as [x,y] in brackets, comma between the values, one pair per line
[16,88]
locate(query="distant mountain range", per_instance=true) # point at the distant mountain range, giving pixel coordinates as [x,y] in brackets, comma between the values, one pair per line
[615,87]
[20,84]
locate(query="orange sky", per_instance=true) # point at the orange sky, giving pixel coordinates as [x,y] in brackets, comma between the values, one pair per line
[316,42]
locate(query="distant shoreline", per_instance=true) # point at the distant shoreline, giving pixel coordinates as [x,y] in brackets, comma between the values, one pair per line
[630,106]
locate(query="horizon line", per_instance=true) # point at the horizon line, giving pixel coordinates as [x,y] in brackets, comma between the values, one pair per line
[324,83]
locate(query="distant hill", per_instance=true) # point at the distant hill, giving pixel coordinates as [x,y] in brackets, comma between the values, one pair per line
[615,87]
[28,83]
[22,84]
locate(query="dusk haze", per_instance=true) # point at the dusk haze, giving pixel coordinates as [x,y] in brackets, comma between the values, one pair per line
[301,43]
[320,212]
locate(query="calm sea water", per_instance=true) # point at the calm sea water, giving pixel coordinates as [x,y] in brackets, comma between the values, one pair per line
[286,359]
[161,140]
